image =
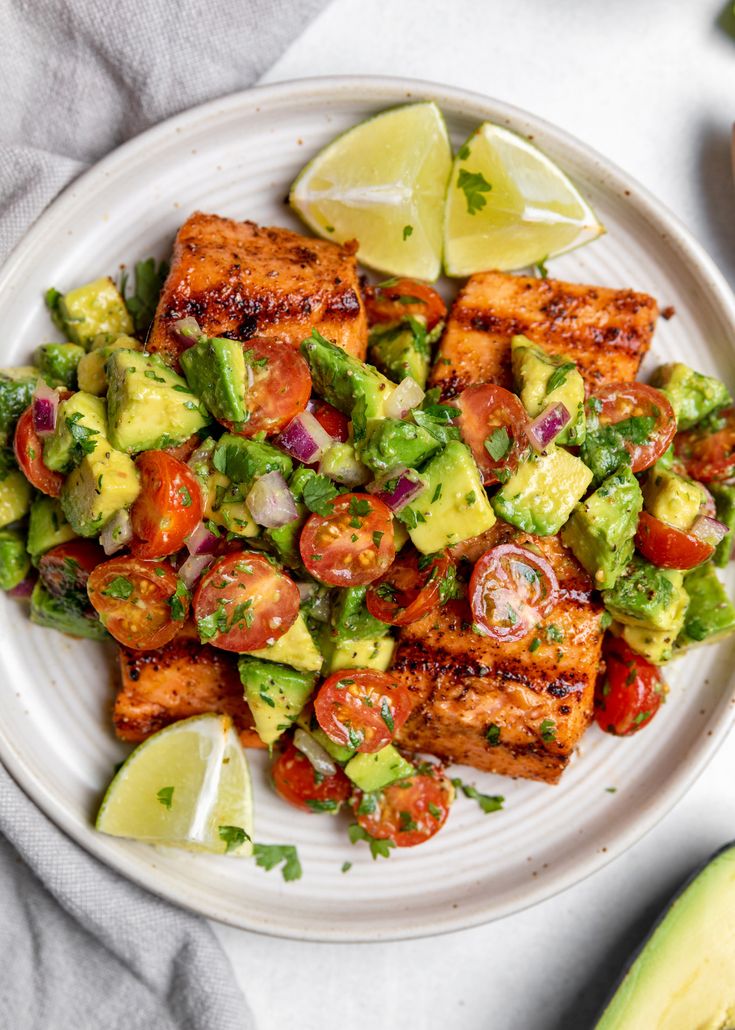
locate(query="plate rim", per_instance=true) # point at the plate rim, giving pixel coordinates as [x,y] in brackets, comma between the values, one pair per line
[390,90]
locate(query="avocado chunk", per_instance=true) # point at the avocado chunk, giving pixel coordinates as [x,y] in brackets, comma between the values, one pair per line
[57,363]
[285,539]
[453,506]
[692,395]
[646,596]
[601,529]
[350,618]
[541,493]
[379,769]
[369,653]
[354,388]
[672,498]
[603,452]
[275,693]
[47,527]
[17,386]
[657,645]
[244,461]
[542,379]
[15,496]
[307,721]
[149,407]
[104,481]
[91,375]
[295,648]
[684,974]
[724,496]
[391,443]
[81,424]
[14,561]
[223,499]
[97,307]
[341,463]
[403,348]
[711,615]
[65,614]
[215,370]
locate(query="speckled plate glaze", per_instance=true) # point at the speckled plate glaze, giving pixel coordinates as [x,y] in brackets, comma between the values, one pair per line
[237,157]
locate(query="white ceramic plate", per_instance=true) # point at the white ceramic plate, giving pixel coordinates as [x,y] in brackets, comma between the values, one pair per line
[237,157]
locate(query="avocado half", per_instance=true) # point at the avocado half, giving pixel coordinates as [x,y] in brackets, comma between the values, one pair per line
[683,977]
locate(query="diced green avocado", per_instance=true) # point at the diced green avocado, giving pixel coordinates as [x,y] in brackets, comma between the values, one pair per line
[285,539]
[97,307]
[711,615]
[105,481]
[295,648]
[341,463]
[601,529]
[542,379]
[350,618]
[17,386]
[81,425]
[14,560]
[369,653]
[91,368]
[15,496]
[65,614]
[149,407]
[672,498]
[691,394]
[453,506]
[307,721]
[657,645]
[57,363]
[375,771]
[275,693]
[47,527]
[391,443]
[243,460]
[223,501]
[354,388]
[215,370]
[603,452]
[683,977]
[541,493]
[724,496]
[403,349]
[645,595]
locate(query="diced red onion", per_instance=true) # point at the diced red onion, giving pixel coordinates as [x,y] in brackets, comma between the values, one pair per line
[319,758]
[45,409]
[193,567]
[117,531]
[709,530]
[305,439]
[398,488]
[201,540]
[270,501]
[24,588]
[546,426]
[188,328]
[408,394]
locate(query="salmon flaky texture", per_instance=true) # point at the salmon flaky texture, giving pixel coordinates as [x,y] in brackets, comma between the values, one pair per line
[241,280]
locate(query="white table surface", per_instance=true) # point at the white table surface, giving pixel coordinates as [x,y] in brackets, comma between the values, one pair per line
[647,84]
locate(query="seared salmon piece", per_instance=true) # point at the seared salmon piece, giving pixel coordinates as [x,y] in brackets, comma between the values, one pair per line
[182,679]
[463,683]
[607,332]
[240,280]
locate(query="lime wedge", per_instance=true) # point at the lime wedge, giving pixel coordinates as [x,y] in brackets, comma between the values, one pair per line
[509,206]
[383,183]
[187,786]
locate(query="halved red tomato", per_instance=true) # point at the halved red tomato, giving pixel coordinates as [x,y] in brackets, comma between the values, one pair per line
[351,546]
[709,456]
[641,414]
[631,691]
[511,590]
[408,812]
[279,386]
[28,448]
[244,603]
[669,547]
[65,568]
[361,708]
[298,782]
[409,589]
[395,299]
[331,420]
[169,506]
[493,423]
[142,604]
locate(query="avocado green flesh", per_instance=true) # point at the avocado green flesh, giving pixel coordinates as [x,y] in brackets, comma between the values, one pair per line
[392,443]
[14,561]
[672,498]
[47,527]
[541,493]
[275,694]
[401,350]
[350,618]
[94,308]
[533,369]
[215,370]
[646,596]
[65,614]
[375,771]
[244,460]
[684,976]
[57,363]
[15,497]
[710,615]
[724,496]
[692,395]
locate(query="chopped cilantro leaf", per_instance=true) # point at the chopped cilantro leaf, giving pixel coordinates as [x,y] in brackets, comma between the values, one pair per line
[474,185]
[407,230]
[487,802]
[120,587]
[548,730]
[268,856]
[497,444]
[166,796]
[319,492]
[233,836]
[149,280]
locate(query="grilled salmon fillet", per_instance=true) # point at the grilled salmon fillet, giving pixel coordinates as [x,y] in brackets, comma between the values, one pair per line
[463,683]
[606,332]
[240,280]
[182,679]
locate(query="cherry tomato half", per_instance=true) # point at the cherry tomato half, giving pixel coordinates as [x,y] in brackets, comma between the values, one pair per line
[511,590]
[243,603]
[396,299]
[279,386]
[65,569]
[631,691]
[669,547]
[298,782]
[142,604]
[409,589]
[408,812]
[28,448]
[331,420]
[361,708]
[168,507]
[351,546]
[709,456]
[642,414]
[493,423]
